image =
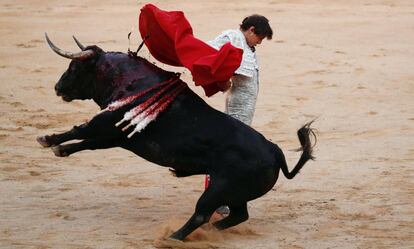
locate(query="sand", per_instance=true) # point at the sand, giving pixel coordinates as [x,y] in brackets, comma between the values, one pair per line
[347,63]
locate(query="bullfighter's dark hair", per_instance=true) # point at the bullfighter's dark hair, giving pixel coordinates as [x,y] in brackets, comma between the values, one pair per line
[260,24]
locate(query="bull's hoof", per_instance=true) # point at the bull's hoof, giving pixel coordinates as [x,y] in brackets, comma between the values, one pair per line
[176,236]
[173,172]
[179,173]
[43,141]
[57,150]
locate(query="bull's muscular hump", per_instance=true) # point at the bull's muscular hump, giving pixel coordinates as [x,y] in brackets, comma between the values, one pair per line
[189,137]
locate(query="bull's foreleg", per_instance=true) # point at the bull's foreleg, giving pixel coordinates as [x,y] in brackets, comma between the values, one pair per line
[95,128]
[56,139]
[238,214]
[87,144]
[206,205]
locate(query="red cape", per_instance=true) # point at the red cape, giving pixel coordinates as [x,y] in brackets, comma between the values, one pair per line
[171,41]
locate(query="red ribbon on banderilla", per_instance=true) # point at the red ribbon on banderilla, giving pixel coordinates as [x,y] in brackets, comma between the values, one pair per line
[146,112]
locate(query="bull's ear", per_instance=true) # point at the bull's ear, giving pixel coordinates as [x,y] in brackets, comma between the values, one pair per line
[95,48]
[82,47]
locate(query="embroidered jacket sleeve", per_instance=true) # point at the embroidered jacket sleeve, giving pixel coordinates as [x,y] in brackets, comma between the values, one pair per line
[236,38]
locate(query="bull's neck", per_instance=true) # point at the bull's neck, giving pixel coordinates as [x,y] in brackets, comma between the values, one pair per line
[103,93]
[106,83]
[118,75]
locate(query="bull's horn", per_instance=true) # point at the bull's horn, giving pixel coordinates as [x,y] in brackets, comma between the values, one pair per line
[80,56]
[78,43]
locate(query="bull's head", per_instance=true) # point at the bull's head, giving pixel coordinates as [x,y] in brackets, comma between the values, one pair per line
[77,81]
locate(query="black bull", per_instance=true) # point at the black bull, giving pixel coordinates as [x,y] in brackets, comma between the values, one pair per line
[189,137]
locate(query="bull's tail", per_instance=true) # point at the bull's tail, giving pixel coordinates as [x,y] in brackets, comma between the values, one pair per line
[304,135]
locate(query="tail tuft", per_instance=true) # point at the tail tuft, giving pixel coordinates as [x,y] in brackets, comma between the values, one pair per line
[304,134]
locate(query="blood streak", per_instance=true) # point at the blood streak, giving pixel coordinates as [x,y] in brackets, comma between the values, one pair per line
[148,111]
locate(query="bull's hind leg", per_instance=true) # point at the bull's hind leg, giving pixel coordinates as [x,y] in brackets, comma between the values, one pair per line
[206,205]
[94,128]
[87,144]
[238,214]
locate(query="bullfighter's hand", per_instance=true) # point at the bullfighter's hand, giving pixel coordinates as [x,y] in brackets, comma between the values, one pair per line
[224,86]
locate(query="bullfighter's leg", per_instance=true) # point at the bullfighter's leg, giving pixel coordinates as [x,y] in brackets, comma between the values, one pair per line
[238,214]
[94,128]
[206,205]
[87,144]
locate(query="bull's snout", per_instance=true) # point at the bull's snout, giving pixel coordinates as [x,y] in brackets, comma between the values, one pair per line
[63,93]
[57,90]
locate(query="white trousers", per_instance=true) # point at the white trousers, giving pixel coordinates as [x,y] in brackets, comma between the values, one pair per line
[242,96]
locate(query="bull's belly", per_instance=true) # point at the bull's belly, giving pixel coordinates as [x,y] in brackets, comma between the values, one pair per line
[169,156]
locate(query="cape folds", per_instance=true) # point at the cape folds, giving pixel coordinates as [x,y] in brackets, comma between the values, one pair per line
[170,40]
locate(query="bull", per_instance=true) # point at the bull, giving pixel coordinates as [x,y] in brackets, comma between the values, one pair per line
[189,136]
